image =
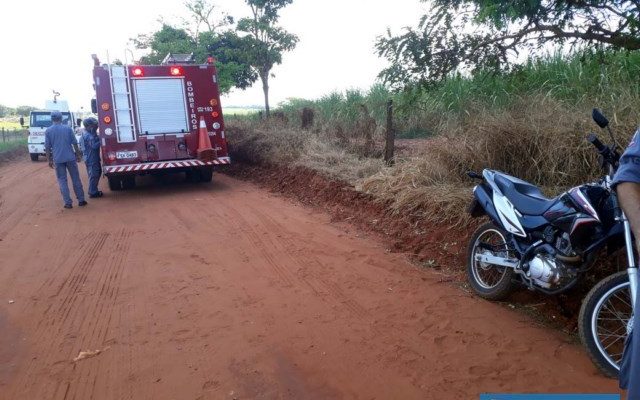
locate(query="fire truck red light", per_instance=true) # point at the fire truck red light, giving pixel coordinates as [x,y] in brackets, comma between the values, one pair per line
[137,71]
[215,114]
[107,119]
[176,71]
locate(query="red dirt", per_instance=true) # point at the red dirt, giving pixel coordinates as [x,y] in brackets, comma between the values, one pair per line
[226,291]
[403,233]
[438,247]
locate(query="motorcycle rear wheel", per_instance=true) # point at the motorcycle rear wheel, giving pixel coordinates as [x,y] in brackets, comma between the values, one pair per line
[491,282]
[604,321]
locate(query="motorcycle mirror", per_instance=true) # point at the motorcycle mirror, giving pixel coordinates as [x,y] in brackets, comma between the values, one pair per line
[600,119]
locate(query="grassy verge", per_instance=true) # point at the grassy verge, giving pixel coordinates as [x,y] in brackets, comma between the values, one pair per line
[531,123]
[12,145]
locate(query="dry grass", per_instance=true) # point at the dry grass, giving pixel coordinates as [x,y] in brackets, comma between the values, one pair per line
[336,162]
[330,150]
[270,142]
[535,138]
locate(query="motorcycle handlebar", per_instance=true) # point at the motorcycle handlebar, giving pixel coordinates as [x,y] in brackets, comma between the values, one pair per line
[593,139]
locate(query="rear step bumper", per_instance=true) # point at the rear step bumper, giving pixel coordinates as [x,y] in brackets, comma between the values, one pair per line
[159,165]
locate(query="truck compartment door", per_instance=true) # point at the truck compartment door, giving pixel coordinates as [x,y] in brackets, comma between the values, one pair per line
[162,106]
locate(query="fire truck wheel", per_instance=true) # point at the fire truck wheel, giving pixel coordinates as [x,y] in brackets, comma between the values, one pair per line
[192,175]
[115,183]
[129,182]
[34,156]
[206,174]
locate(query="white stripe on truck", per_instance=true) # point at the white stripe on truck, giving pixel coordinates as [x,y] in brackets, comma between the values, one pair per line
[164,165]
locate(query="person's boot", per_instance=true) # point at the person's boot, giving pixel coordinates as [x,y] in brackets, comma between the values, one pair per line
[82,203]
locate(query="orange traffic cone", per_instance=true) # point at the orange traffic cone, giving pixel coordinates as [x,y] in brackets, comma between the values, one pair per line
[205,151]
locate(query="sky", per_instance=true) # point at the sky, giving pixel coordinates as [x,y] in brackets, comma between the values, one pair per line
[47,45]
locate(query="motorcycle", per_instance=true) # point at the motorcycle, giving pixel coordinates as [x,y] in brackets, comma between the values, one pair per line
[550,244]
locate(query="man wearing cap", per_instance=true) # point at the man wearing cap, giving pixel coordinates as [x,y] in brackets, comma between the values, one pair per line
[61,148]
[91,150]
[627,184]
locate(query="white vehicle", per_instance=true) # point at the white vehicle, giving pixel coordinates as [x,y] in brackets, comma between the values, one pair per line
[40,120]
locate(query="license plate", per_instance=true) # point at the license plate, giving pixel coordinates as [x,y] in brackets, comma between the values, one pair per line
[126,154]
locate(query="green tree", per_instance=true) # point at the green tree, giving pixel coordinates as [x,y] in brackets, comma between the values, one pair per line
[24,110]
[166,40]
[265,41]
[491,34]
[206,32]
[5,111]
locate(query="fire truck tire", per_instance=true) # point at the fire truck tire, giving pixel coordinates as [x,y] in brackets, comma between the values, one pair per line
[34,156]
[206,174]
[115,183]
[192,175]
[129,182]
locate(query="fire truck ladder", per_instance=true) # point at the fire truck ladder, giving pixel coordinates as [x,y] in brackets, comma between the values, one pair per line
[122,108]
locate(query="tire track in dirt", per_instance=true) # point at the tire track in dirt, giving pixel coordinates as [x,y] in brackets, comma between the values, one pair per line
[191,232]
[96,321]
[10,219]
[284,275]
[407,345]
[55,320]
[314,266]
[80,273]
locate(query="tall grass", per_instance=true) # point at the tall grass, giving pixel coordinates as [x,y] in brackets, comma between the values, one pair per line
[608,80]
[531,123]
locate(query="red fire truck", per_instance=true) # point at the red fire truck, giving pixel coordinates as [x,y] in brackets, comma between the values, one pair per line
[159,118]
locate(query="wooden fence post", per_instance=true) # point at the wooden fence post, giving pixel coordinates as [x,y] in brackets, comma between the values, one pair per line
[4,139]
[391,136]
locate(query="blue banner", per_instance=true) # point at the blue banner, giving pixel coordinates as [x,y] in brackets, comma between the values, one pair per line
[489,396]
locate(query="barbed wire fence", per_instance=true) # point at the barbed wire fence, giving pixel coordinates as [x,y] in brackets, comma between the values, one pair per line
[12,134]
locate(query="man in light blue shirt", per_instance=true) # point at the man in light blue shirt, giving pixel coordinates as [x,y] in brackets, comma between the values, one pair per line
[62,150]
[91,150]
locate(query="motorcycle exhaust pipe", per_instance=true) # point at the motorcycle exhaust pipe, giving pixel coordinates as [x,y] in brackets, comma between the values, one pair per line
[570,260]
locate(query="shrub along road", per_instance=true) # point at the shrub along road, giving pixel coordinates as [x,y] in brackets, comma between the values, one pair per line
[223,291]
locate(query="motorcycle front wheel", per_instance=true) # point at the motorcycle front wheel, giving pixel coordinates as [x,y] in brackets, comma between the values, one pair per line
[605,319]
[489,281]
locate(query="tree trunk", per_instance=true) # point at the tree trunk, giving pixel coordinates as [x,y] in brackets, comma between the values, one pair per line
[265,88]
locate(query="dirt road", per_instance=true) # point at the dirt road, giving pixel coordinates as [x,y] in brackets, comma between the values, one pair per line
[226,291]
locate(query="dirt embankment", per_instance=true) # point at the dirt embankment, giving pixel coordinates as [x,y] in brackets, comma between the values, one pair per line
[13,154]
[436,246]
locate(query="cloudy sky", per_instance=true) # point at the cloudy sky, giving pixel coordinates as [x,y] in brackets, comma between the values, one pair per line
[47,44]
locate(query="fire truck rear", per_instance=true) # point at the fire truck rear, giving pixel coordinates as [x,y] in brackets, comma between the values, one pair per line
[159,118]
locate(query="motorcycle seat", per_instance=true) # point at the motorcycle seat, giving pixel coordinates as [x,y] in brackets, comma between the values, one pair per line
[525,197]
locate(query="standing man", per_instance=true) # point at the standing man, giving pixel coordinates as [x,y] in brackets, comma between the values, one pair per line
[91,147]
[627,184]
[62,150]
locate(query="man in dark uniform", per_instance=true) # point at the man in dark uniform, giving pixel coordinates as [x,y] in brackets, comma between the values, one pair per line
[627,184]
[91,147]
[61,148]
